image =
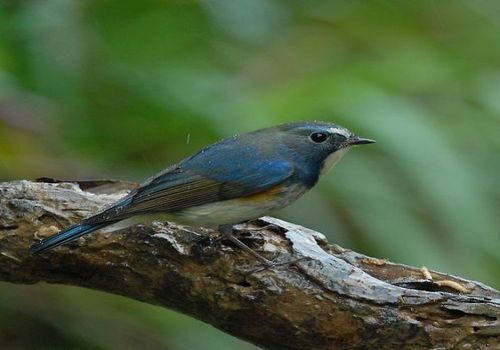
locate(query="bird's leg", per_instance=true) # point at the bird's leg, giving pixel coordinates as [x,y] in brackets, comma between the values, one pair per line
[227,231]
[271,227]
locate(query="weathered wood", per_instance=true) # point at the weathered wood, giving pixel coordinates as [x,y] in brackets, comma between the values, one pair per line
[334,299]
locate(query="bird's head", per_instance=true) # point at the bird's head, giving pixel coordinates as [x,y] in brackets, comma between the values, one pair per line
[319,143]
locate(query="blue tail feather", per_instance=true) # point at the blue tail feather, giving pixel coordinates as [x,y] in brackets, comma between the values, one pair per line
[67,235]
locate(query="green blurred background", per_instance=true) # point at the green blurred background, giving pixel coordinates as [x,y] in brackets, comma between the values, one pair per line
[120,88]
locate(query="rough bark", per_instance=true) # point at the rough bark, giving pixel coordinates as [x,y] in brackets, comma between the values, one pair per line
[334,299]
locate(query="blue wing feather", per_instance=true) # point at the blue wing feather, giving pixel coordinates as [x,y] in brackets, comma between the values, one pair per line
[66,236]
[215,174]
[220,172]
[245,166]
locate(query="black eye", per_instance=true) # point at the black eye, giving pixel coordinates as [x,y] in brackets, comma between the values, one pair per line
[318,137]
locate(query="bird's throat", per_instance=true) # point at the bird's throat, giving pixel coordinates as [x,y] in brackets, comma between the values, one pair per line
[332,159]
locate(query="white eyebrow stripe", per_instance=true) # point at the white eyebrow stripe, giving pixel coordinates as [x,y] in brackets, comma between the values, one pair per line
[340,131]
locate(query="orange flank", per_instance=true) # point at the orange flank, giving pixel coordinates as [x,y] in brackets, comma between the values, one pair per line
[270,194]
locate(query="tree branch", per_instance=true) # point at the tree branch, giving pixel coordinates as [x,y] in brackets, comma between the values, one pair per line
[336,298]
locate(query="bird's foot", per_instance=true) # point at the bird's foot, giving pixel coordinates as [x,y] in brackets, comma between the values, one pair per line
[273,265]
[227,231]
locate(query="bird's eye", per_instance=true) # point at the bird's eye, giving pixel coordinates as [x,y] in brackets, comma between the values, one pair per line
[318,137]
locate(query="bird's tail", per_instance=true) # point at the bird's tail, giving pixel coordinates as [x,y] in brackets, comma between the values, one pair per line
[67,235]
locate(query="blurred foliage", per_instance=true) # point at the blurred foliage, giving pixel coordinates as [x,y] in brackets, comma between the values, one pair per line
[121,88]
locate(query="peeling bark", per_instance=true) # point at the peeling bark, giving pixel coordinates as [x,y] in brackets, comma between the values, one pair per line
[333,299]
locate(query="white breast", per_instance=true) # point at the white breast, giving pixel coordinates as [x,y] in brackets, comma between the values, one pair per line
[237,210]
[231,211]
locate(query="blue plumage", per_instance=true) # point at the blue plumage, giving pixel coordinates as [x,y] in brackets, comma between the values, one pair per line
[237,179]
[65,236]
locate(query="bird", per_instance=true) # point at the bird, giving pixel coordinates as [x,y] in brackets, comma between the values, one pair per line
[232,181]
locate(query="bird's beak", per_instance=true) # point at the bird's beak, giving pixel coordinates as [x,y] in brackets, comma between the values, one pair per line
[355,140]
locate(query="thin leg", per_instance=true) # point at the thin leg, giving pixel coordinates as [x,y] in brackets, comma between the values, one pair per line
[267,227]
[227,230]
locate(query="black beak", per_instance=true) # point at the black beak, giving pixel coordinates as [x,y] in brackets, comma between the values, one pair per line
[355,140]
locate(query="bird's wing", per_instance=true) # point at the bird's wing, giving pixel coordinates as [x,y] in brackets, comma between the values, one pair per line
[185,187]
